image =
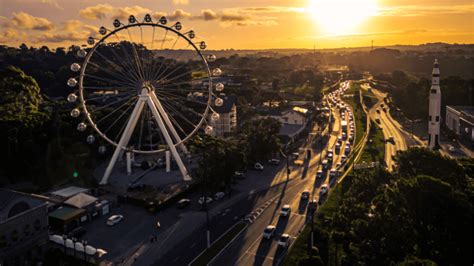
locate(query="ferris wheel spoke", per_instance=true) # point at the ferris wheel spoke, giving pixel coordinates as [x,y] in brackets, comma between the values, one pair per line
[114,81]
[101,97]
[126,65]
[176,123]
[167,67]
[142,118]
[186,109]
[120,69]
[178,76]
[181,116]
[126,55]
[135,55]
[120,117]
[191,81]
[110,104]
[115,110]
[162,63]
[169,95]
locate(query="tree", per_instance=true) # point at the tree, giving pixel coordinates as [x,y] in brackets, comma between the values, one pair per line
[219,159]
[260,138]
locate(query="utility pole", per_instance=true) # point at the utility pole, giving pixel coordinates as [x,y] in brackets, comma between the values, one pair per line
[372,46]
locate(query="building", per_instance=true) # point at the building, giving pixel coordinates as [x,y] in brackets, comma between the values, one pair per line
[434,109]
[68,192]
[460,119]
[227,121]
[294,116]
[24,233]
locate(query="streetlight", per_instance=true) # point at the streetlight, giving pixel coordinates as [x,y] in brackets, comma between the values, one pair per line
[74,240]
[65,238]
[84,244]
[205,194]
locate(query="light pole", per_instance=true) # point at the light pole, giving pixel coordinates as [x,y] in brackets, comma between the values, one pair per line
[65,248]
[84,244]
[74,245]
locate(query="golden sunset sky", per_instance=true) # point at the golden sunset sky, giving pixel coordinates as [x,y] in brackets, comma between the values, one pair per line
[245,24]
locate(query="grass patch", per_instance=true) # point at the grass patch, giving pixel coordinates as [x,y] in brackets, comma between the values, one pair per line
[359,116]
[374,150]
[217,246]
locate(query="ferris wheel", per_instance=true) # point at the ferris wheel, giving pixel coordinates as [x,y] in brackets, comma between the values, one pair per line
[144,87]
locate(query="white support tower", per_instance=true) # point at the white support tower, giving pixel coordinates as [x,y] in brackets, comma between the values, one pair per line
[434,109]
[149,98]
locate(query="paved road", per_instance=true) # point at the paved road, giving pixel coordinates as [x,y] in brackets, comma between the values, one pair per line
[390,127]
[250,248]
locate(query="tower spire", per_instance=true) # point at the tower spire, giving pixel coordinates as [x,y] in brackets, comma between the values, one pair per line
[434,108]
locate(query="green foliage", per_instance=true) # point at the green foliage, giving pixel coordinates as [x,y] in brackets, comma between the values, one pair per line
[219,160]
[260,138]
[20,98]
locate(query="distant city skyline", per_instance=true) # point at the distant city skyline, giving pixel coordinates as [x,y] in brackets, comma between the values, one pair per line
[263,24]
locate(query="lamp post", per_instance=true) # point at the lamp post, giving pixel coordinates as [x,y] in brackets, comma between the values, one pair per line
[84,244]
[74,245]
[205,194]
[65,248]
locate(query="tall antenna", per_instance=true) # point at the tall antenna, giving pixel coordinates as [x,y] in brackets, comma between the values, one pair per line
[314,48]
[372,46]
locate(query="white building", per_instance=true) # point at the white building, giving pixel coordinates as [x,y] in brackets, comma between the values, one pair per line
[434,109]
[460,119]
[227,121]
[295,116]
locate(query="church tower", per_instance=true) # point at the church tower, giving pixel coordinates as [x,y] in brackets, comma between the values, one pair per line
[434,109]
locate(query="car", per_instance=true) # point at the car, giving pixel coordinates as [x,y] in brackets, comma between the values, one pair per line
[305,194]
[347,150]
[269,231]
[77,232]
[338,165]
[330,152]
[344,135]
[338,147]
[378,111]
[451,148]
[390,140]
[384,109]
[343,158]
[183,203]
[351,137]
[201,200]
[258,166]
[285,210]
[219,195]
[284,241]
[312,205]
[319,174]
[333,173]
[239,175]
[274,161]
[324,190]
[339,140]
[325,164]
[114,219]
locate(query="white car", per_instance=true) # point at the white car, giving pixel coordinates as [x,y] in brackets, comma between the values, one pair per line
[114,219]
[343,158]
[319,174]
[284,241]
[285,210]
[324,190]
[333,173]
[201,200]
[219,195]
[258,166]
[269,232]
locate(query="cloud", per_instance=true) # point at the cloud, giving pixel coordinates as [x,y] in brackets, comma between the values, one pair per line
[208,14]
[59,37]
[26,21]
[179,14]
[180,2]
[415,11]
[230,16]
[53,3]
[125,12]
[11,35]
[96,12]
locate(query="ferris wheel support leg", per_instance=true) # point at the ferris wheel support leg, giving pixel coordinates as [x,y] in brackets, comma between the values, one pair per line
[124,139]
[167,121]
[169,141]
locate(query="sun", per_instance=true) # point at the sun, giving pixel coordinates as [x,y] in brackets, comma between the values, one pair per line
[338,17]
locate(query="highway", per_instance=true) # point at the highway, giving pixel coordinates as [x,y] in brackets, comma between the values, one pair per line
[250,248]
[390,128]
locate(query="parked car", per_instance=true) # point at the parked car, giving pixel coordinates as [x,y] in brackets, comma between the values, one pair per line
[305,195]
[114,219]
[284,241]
[183,203]
[219,195]
[285,210]
[325,164]
[274,161]
[239,175]
[201,200]
[269,232]
[77,232]
[258,166]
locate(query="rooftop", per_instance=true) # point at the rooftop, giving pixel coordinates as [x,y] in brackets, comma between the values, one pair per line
[80,200]
[13,203]
[467,111]
[69,191]
[66,213]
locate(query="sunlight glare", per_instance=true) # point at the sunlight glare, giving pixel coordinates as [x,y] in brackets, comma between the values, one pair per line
[338,17]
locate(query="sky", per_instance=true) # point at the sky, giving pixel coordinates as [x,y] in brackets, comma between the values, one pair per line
[248,24]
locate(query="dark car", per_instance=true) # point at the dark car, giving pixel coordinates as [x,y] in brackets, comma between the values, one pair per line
[77,232]
[183,203]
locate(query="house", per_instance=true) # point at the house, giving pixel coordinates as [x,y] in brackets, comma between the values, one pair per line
[460,119]
[294,116]
[227,121]
[23,228]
